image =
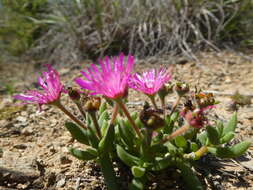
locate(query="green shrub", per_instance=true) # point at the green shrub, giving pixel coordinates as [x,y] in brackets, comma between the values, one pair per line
[17,31]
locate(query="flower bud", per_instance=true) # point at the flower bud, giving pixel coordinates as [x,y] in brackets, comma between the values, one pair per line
[74,94]
[151,119]
[181,88]
[204,100]
[195,119]
[92,104]
[188,106]
[165,90]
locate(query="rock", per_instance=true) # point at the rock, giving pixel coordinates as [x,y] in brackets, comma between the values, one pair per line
[27,131]
[17,170]
[61,183]
[51,179]
[182,61]
[23,113]
[21,119]
[20,146]
[65,160]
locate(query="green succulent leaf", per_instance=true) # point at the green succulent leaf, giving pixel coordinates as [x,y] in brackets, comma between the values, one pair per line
[158,148]
[228,137]
[77,132]
[104,128]
[189,177]
[104,117]
[88,154]
[134,115]
[170,120]
[212,135]
[194,147]
[171,148]
[220,128]
[102,108]
[174,116]
[126,133]
[139,123]
[231,125]
[230,152]
[127,158]
[180,141]
[202,137]
[138,171]
[106,143]
[137,184]
[162,163]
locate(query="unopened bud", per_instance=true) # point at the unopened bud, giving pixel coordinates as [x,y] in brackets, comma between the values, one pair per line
[165,90]
[74,94]
[181,88]
[92,104]
[196,119]
[151,119]
[188,106]
[204,100]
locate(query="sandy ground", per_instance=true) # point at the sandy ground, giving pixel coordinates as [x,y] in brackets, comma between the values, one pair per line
[35,144]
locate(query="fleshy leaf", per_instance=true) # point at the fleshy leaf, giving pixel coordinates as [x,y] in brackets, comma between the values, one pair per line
[127,158]
[171,148]
[231,125]
[194,147]
[138,171]
[162,163]
[103,117]
[126,132]
[230,152]
[102,108]
[104,128]
[106,143]
[88,154]
[228,137]
[137,184]
[220,128]
[77,133]
[180,141]
[212,135]
[189,177]
[202,137]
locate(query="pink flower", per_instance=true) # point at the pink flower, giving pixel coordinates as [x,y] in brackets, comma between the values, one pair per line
[150,81]
[111,79]
[51,85]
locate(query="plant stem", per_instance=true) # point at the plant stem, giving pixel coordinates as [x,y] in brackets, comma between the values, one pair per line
[114,113]
[69,114]
[82,112]
[163,107]
[95,122]
[200,152]
[175,104]
[80,109]
[124,109]
[152,98]
[108,172]
[176,133]
[149,136]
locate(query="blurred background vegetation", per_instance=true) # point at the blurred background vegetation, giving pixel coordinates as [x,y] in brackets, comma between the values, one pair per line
[68,31]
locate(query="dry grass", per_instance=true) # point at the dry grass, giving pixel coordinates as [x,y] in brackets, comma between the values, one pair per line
[81,29]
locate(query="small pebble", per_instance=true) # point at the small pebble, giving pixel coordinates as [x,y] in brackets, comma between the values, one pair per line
[61,183]
[20,146]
